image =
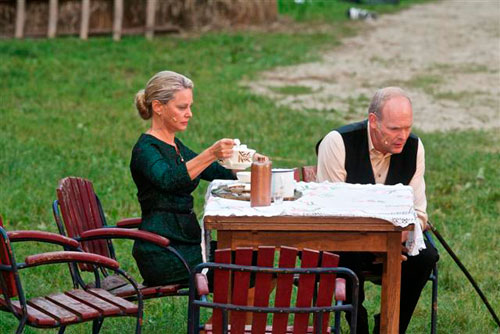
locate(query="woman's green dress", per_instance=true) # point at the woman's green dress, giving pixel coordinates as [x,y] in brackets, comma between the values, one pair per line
[164,191]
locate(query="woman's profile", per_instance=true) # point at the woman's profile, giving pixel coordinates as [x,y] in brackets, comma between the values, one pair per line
[166,172]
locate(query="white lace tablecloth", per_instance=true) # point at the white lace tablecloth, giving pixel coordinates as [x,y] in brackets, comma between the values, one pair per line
[390,203]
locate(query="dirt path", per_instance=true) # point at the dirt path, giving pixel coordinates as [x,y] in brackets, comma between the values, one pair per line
[445,54]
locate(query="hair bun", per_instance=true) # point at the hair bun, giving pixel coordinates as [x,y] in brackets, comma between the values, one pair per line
[140,104]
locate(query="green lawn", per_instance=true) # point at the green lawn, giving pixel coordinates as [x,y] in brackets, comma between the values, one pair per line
[67,109]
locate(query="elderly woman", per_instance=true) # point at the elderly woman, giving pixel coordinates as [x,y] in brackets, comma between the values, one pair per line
[166,172]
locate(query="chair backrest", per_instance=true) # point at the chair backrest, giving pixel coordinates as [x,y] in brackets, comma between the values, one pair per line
[7,279]
[240,281]
[81,211]
[309,173]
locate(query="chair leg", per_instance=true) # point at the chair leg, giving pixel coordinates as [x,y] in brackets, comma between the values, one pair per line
[22,323]
[96,326]
[434,299]
[337,319]
[62,329]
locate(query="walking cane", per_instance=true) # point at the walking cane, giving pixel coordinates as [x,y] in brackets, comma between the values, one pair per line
[465,271]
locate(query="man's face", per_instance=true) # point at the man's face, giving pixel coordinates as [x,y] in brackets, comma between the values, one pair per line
[390,132]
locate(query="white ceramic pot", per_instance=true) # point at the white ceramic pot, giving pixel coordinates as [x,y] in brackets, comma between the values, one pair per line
[282,182]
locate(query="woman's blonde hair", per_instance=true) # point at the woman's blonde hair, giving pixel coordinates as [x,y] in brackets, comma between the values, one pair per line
[162,87]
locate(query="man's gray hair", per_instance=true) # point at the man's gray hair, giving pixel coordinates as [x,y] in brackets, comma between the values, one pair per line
[382,96]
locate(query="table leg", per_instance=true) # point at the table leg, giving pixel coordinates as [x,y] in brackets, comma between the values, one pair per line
[224,239]
[391,285]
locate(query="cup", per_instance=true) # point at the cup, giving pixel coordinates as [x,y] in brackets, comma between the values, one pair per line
[278,195]
[241,158]
[282,184]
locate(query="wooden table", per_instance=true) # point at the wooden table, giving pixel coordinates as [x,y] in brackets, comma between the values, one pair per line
[323,233]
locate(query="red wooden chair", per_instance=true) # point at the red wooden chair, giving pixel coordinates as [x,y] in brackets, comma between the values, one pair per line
[59,310]
[79,215]
[317,286]
[309,175]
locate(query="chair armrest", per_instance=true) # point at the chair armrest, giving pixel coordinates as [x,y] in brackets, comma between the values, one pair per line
[129,222]
[121,233]
[70,256]
[201,282]
[53,238]
[340,293]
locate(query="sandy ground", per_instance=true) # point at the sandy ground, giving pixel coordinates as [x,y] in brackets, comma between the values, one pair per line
[445,54]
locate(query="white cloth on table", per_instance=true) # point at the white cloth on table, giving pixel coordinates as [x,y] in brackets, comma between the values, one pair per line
[391,203]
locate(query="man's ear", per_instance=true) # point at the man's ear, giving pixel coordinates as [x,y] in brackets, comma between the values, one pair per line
[372,118]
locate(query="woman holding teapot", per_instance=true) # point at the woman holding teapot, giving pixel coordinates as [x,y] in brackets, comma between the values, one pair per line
[166,172]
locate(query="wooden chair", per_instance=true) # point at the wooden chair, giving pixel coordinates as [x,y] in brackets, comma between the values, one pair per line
[317,287]
[79,215]
[309,175]
[59,310]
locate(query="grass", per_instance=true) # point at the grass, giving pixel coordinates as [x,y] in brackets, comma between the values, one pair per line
[67,109]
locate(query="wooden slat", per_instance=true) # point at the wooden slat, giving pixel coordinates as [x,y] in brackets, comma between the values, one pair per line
[91,300]
[265,258]
[160,290]
[147,292]
[20,18]
[82,206]
[77,219]
[240,289]
[208,329]
[34,316]
[150,18]
[84,23]
[110,283]
[52,29]
[284,288]
[221,286]
[123,304]
[55,311]
[305,293]
[327,286]
[90,204]
[64,209]
[72,214]
[83,311]
[117,19]
[92,213]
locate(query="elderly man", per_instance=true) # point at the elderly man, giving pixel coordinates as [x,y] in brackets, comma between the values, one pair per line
[383,150]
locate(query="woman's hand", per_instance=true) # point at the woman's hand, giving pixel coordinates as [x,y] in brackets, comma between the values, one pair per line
[260,158]
[222,149]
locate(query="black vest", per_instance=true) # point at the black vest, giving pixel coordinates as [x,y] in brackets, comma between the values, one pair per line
[357,158]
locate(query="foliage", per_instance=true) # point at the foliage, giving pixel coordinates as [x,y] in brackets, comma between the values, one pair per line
[67,109]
